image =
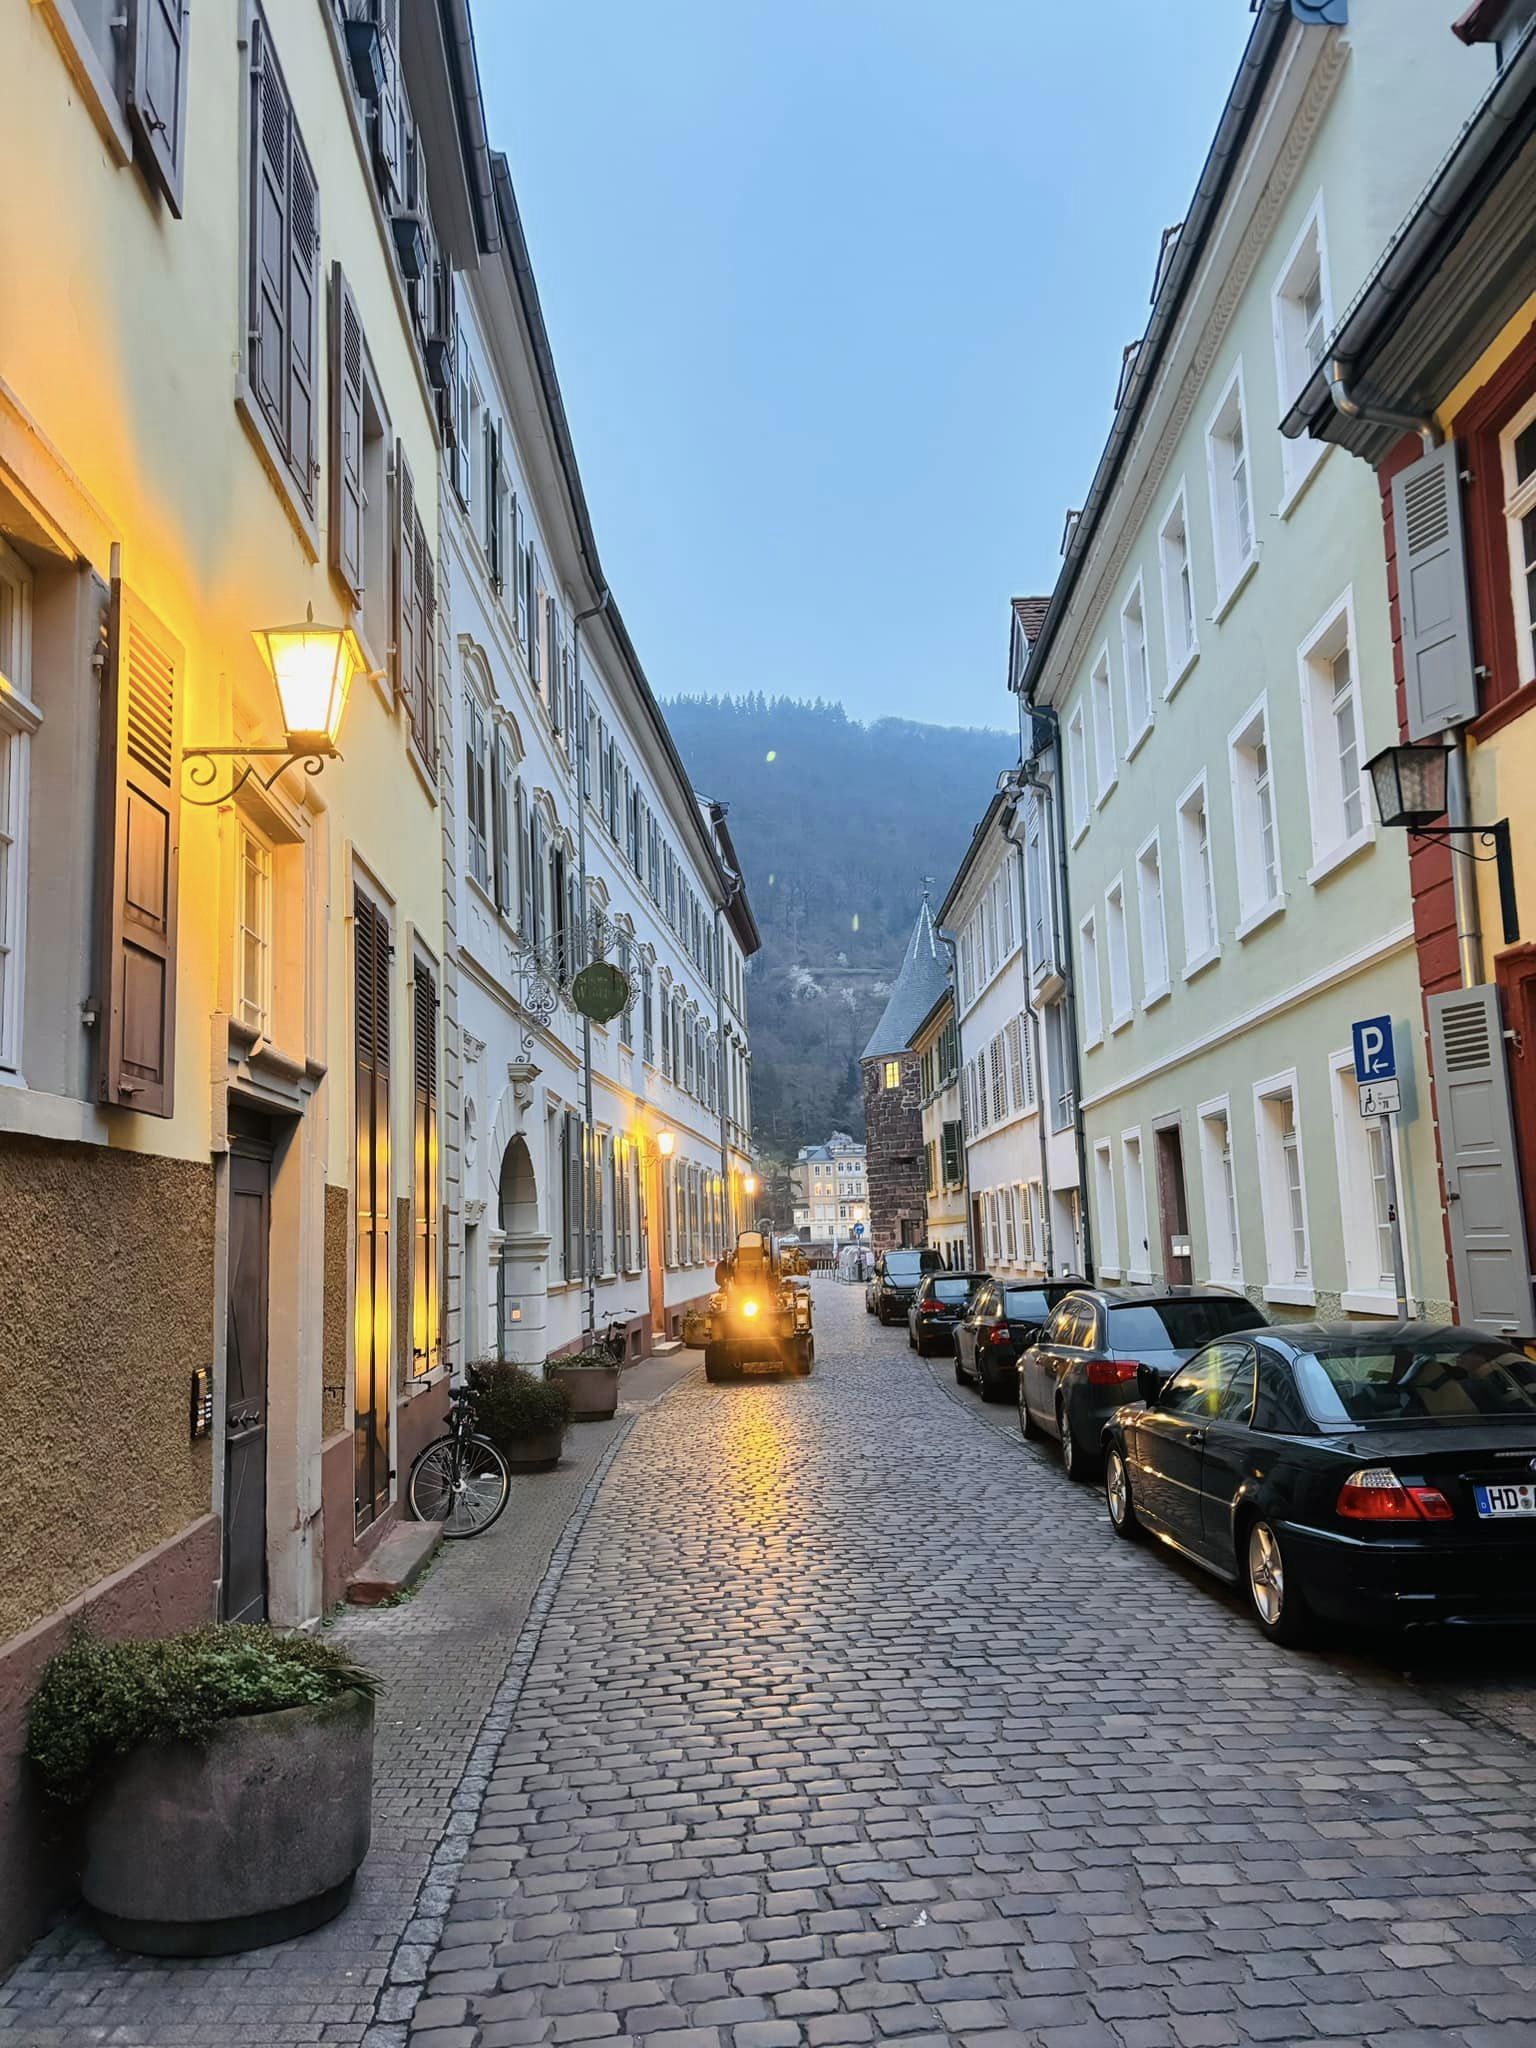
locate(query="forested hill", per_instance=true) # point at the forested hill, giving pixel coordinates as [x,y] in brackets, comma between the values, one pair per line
[836,824]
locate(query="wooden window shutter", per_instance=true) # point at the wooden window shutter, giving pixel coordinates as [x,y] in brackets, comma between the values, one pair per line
[1440,685]
[271,122]
[157,90]
[524,866]
[424,678]
[501,792]
[303,314]
[494,534]
[1481,1160]
[138,850]
[386,123]
[424,1221]
[404,573]
[346,436]
[534,930]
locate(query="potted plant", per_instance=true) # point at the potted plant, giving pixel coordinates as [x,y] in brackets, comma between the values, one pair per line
[524,1417]
[591,1378]
[226,1776]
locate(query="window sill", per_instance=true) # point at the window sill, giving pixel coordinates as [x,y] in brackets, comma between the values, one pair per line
[1232,1280]
[1200,962]
[1239,584]
[1137,741]
[418,761]
[1093,1044]
[1107,791]
[1297,485]
[1080,834]
[1109,1272]
[1340,856]
[276,467]
[1118,1024]
[1292,1294]
[1174,680]
[1139,1276]
[1256,920]
[1371,1302]
[1153,996]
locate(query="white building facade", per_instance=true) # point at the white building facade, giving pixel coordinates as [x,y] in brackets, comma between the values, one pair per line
[937,1045]
[592,1187]
[832,1191]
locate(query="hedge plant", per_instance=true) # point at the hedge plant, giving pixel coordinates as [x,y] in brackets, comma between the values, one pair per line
[593,1359]
[97,1700]
[511,1404]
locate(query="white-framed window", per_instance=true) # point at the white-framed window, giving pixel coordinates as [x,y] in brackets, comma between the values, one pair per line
[1036,1222]
[1283,1191]
[1364,1196]
[1090,1006]
[1154,922]
[1518,447]
[1027,1253]
[19,719]
[1333,733]
[1227,463]
[1197,877]
[477,789]
[1077,769]
[1303,316]
[1118,948]
[1020,1065]
[1180,627]
[999,1080]
[1138,1257]
[1010,1225]
[253,931]
[1255,823]
[1218,1175]
[1007,924]
[1105,756]
[1138,674]
[1104,1200]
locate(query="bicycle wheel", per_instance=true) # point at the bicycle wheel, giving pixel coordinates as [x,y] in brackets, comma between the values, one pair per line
[464,1484]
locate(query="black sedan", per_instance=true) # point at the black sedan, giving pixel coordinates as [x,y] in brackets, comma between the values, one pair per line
[1369,1476]
[1005,1319]
[1083,1365]
[939,1303]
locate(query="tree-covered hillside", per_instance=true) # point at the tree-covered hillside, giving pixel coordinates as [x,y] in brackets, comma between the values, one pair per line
[837,824]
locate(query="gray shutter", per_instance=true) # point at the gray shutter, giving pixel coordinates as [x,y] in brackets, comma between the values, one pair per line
[525,868]
[157,89]
[1482,1177]
[493,528]
[346,507]
[303,314]
[405,573]
[271,119]
[501,794]
[1432,591]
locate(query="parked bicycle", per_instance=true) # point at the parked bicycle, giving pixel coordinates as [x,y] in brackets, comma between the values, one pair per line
[460,1479]
[614,1337]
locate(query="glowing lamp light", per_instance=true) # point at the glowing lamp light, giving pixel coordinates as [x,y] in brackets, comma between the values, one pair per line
[313,667]
[665,1142]
[749,1309]
[749,1184]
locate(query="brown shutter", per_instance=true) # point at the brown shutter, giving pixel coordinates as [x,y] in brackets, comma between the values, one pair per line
[404,574]
[157,89]
[140,820]
[423,688]
[271,119]
[303,314]
[372,1307]
[346,512]
[424,1276]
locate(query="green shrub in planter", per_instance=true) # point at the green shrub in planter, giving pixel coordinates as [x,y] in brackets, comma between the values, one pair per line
[98,1701]
[511,1404]
[595,1360]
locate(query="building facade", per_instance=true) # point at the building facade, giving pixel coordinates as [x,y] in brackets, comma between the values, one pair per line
[831,1191]
[936,1043]
[1214,670]
[220,974]
[892,1081]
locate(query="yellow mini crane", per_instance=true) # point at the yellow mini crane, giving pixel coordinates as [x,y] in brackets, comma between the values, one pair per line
[757,1316]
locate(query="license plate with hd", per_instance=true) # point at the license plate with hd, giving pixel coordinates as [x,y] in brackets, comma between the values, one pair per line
[1496,1501]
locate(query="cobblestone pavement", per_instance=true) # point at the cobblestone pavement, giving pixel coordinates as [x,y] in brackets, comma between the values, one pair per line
[442,1654]
[851,1722]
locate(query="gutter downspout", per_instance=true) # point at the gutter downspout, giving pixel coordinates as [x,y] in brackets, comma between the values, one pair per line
[1458,807]
[952,947]
[725,1143]
[583,770]
[1032,1025]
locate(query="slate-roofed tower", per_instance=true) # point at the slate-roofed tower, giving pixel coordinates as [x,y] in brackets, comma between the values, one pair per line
[893,1116]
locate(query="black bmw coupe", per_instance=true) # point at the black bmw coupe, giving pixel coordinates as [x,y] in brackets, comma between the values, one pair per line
[1380,1477]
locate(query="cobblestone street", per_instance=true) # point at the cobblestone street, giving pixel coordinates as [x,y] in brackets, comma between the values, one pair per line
[849,1721]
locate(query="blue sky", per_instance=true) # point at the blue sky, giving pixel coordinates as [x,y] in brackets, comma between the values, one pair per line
[838,291]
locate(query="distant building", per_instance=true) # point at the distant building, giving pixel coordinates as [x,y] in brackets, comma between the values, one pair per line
[893,1118]
[831,1190]
[937,1045]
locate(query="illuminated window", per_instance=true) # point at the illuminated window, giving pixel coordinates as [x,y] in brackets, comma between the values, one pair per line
[893,1073]
[19,719]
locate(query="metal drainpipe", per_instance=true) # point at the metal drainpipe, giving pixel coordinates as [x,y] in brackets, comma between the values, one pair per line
[589,1149]
[952,946]
[725,1145]
[1458,809]
[1032,1026]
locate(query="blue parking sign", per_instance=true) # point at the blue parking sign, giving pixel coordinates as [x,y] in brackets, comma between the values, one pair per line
[1375,1055]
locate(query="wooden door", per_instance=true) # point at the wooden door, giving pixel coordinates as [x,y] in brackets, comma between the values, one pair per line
[1516,974]
[372,1302]
[1173,1208]
[245,1416]
[650,1223]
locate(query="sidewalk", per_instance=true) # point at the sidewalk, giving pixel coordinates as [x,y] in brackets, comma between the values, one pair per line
[442,1655]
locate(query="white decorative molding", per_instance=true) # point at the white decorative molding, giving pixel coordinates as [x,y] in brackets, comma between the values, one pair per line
[474,1211]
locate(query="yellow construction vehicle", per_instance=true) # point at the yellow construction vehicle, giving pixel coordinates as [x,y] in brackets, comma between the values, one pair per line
[756,1318]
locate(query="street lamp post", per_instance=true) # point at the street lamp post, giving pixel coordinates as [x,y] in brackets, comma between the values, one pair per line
[1410,788]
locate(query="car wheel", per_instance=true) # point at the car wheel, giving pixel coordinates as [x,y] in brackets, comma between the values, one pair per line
[1276,1601]
[1117,1495]
[1028,1427]
[992,1388]
[1071,1449]
[911,1340]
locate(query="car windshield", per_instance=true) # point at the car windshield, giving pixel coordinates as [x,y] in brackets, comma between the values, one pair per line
[953,1290]
[902,1266]
[1178,1325]
[1435,1379]
[1025,1305]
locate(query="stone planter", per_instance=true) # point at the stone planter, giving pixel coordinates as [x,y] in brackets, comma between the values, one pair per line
[594,1389]
[253,1837]
[537,1453]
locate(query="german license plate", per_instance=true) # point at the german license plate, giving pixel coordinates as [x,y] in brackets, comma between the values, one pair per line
[1494,1501]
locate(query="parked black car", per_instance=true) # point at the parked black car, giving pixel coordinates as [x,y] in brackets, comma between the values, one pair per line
[1083,1365]
[939,1303]
[889,1294]
[1382,1476]
[1004,1320]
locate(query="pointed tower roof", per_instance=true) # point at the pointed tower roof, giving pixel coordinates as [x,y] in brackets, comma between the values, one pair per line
[919,983]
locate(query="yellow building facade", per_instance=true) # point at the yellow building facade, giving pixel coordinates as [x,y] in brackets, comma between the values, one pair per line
[224,299]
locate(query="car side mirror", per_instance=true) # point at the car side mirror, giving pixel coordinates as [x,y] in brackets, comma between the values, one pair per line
[1150,1382]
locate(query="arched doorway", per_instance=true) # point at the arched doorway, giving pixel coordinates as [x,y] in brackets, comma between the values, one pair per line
[522,1259]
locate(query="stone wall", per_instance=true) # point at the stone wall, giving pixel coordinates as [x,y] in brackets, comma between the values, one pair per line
[893,1134]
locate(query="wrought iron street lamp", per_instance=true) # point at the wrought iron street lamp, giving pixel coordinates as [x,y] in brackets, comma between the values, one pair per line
[313,668]
[1410,787]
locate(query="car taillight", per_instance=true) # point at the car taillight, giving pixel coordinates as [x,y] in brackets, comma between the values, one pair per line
[1000,1337]
[930,1308]
[1376,1494]
[1110,1372]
